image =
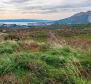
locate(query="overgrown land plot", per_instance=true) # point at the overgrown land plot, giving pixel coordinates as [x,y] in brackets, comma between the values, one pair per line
[57,54]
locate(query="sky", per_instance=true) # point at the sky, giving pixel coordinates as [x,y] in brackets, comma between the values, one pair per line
[42,9]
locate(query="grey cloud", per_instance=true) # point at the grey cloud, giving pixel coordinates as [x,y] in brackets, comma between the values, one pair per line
[24,6]
[58,8]
[16,1]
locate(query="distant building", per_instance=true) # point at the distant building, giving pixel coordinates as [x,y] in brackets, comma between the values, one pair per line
[8,25]
[38,24]
[11,25]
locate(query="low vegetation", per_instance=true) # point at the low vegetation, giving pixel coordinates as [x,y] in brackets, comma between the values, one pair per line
[27,57]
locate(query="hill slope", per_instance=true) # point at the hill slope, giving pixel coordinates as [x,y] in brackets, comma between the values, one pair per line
[79,18]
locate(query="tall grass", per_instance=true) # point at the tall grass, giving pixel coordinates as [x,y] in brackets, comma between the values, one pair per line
[53,66]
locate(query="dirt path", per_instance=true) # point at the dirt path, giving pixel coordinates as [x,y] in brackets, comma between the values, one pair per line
[54,41]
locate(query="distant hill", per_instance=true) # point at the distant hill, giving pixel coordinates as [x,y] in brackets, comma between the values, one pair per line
[79,18]
[31,22]
[23,20]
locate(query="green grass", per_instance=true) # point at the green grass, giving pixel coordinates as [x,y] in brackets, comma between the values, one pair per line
[81,37]
[53,66]
[85,37]
[8,47]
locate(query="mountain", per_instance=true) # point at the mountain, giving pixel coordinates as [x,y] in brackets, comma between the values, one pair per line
[79,18]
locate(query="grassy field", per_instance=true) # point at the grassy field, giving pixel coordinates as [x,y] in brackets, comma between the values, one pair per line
[58,54]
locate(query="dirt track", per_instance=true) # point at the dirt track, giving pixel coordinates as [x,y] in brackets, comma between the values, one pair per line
[54,41]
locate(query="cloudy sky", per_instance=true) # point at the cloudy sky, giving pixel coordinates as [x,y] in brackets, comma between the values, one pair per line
[42,9]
